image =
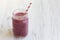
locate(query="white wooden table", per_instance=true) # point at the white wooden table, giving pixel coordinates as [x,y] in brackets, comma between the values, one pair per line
[44,19]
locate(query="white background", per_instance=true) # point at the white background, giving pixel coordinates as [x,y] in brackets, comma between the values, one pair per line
[44,18]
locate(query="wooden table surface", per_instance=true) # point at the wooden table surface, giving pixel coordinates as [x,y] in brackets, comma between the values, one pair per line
[44,19]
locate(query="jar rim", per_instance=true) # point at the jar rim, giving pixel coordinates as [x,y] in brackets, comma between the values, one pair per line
[21,10]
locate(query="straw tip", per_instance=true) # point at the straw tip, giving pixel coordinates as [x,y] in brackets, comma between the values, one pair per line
[30,2]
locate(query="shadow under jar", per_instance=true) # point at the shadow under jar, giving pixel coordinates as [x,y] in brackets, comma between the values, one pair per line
[20,23]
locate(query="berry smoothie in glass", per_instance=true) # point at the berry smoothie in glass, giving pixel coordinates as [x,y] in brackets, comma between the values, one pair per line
[20,23]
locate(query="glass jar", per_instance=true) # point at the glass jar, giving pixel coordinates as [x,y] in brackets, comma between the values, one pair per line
[20,22]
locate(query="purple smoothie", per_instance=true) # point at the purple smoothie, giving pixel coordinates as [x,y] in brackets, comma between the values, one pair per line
[20,24]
